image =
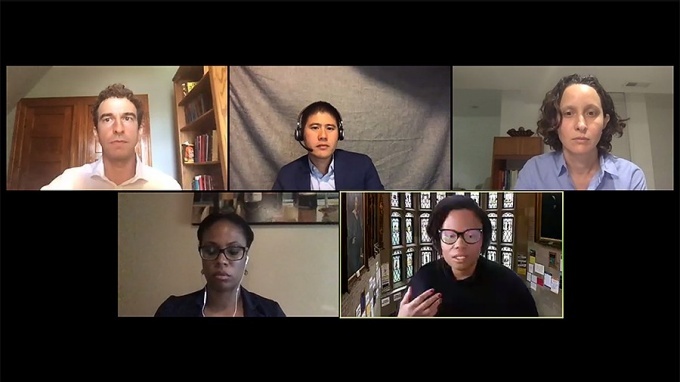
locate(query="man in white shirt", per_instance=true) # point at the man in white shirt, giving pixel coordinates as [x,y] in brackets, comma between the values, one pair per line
[118,119]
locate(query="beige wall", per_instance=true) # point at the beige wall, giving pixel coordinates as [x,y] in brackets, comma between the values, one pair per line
[298,266]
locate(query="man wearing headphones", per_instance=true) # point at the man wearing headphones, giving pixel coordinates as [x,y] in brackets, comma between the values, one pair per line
[319,128]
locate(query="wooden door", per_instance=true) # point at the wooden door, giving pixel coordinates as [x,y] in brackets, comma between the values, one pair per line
[53,134]
[43,141]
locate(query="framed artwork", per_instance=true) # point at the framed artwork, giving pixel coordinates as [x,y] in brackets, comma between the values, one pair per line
[259,208]
[203,205]
[549,219]
[353,223]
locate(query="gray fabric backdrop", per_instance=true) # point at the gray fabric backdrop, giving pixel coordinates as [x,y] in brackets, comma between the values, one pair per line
[399,116]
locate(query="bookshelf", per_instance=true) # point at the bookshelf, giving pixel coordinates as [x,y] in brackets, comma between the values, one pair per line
[201,112]
[509,155]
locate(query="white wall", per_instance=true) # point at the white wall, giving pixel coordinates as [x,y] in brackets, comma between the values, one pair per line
[85,81]
[470,143]
[661,132]
[297,266]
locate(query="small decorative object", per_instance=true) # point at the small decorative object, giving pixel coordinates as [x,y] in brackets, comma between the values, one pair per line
[188,152]
[521,132]
[187,86]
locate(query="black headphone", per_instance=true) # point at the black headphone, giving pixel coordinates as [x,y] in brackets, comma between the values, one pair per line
[300,136]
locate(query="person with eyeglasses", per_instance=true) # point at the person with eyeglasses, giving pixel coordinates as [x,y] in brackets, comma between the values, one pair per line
[461,283]
[224,240]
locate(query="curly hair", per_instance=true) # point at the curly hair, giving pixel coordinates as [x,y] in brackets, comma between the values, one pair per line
[117,91]
[551,116]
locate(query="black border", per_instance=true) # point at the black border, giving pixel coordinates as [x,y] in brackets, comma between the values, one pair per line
[59,249]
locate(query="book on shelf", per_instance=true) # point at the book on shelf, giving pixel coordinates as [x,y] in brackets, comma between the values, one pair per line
[196,108]
[507,179]
[187,86]
[202,183]
[205,147]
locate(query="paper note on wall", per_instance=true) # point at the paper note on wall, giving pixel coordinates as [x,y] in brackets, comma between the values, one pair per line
[385,275]
[539,268]
[534,279]
[555,286]
[532,259]
[547,280]
[529,276]
[385,301]
[531,268]
[533,286]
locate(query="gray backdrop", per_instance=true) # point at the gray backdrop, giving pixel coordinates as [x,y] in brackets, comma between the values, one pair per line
[399,116]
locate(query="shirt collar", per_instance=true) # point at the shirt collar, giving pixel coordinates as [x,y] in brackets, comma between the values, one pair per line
[140,173]
[606,165]
[317,174]
[472,278]
[251,306]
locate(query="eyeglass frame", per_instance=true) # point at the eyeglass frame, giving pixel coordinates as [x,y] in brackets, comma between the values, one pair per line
[461,234]
[223,251]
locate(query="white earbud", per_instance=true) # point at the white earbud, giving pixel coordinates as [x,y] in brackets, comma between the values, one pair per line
[238,288]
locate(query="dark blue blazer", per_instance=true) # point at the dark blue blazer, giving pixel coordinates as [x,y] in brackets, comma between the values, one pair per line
[353,171]
[191,305]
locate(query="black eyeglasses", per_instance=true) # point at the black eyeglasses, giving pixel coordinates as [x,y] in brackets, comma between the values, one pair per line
[470,236]
[212,252]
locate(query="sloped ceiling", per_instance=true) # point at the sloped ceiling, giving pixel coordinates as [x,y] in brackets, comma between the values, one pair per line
[20,80]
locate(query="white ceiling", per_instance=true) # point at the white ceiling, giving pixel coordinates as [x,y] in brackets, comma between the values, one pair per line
[20,80]
[477,89]
[543,78]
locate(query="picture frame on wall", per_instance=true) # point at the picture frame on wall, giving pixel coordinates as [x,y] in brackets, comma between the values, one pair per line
[204,204]
[270,208]
[353,232]
[549,219]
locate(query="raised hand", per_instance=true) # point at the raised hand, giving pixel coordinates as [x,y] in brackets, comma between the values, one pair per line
[425,305]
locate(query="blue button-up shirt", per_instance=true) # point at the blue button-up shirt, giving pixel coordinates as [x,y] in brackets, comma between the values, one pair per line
[549,172]
[319,181]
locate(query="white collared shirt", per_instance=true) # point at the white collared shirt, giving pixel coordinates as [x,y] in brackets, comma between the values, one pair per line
[319,181]
[91,177]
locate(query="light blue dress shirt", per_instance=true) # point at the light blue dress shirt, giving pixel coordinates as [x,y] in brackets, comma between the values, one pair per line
[319,181]
[549,172]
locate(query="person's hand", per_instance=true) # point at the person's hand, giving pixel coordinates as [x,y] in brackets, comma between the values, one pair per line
[425,305]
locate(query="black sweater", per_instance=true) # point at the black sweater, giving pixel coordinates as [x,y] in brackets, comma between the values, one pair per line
[492,291]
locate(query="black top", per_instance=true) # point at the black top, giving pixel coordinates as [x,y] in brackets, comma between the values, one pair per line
[492,291]
[191,305]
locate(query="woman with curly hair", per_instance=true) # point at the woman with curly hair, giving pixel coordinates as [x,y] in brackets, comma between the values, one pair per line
[578,121]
